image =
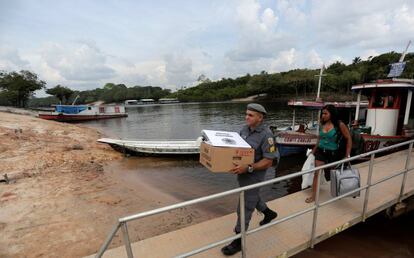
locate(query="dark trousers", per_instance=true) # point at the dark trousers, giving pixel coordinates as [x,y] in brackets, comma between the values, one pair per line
[252,198]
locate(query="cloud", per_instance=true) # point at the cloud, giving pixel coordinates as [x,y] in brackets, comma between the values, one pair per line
[313,59]
[369,53]
[182,68]
[80,61]
[292,12]
[10,59]
[258,35]
[178,68]
[374,24]
[286,60]
[172,50]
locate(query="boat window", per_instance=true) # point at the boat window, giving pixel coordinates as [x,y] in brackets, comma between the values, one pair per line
[378,100]
[384,100]
[89,108]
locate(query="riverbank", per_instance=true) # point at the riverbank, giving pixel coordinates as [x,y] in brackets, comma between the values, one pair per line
[62,198]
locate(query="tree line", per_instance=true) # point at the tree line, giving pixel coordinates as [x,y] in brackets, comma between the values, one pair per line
[338,79]
[17,88]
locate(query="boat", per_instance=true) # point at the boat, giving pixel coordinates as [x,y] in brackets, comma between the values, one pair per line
[389,118]
[75,113]
[132,103]
[137,103]
[385,119]
[168,100]
[297,138]
[150,147]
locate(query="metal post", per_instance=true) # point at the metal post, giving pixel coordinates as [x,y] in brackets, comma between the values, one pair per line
[320,82]
[242,224]
[315,211]
[108,240]
[358,106]
[408,107]
[293,120]
[407,167]
[369,180]
[126,239]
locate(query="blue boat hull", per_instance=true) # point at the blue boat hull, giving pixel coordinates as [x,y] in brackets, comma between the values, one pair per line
[286,150]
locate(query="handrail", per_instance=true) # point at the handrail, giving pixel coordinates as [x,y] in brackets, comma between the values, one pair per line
[121,223]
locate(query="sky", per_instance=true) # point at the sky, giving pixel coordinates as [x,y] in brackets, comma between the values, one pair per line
[85,44]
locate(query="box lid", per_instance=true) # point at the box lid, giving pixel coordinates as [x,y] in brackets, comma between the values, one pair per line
[224,139]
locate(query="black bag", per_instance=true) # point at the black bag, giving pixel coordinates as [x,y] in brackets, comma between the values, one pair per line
[341,141]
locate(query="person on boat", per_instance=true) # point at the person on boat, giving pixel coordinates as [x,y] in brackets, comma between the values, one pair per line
[334,142]
[357,140]
[261,139]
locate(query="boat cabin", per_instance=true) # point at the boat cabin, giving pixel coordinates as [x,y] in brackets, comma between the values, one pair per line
[131,102]
[147,101]
[83,112]
[389,111]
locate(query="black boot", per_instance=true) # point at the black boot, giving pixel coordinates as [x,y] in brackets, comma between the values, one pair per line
[269,215]
[233,248]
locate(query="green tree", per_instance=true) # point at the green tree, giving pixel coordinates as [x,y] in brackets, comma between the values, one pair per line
[61,93]
[18,87]
[356,60]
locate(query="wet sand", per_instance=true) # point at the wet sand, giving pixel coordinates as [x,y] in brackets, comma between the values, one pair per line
[61,201]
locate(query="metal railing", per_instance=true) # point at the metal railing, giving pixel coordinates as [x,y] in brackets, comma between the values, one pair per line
[122,222]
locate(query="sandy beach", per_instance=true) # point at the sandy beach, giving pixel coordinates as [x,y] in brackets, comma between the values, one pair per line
[62,199]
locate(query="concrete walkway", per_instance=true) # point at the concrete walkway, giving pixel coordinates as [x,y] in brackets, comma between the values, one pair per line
[289,237]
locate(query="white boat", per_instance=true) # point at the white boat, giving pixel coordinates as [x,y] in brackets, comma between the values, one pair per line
[76,113]
[150,147]
[387,117]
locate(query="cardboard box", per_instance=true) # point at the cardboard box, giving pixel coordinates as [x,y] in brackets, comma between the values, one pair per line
[222,159]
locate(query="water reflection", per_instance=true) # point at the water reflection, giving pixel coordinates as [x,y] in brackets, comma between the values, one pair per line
[186,120]
[184,177]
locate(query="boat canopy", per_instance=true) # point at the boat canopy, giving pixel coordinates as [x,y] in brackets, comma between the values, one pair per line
[391,83]
[67,109]
[319,104]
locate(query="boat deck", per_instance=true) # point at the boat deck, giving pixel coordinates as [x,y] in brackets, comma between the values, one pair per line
[291,236]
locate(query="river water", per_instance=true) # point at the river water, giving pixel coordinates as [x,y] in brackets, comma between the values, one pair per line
[186,179]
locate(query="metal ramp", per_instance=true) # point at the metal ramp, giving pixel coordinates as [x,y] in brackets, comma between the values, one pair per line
[291,234]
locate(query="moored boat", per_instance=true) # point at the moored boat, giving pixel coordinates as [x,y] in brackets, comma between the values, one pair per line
[389,118]
[74,113]
[158,147]
[301,136]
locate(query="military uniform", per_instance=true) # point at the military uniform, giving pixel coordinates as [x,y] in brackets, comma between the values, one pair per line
[262,141]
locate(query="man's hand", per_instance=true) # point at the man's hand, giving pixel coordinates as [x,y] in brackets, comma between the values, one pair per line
[239,169]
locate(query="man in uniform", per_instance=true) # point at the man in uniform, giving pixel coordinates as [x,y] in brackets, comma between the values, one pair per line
[261,139]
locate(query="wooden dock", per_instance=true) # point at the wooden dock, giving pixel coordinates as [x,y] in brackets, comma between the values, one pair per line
[292,236]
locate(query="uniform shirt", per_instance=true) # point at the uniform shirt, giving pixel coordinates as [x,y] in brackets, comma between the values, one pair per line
[262,141]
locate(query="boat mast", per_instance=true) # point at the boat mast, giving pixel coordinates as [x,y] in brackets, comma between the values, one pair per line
[358,105]
[73,103]
[410,92]
[320,82]
[405,52]
[318,95]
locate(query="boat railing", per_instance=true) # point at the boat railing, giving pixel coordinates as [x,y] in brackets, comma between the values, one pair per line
[122,222]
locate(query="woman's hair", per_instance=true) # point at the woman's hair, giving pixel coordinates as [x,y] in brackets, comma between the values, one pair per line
[334,114]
